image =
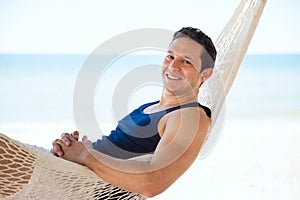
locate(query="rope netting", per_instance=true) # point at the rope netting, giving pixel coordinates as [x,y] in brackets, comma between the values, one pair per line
[232,45]
[29,173]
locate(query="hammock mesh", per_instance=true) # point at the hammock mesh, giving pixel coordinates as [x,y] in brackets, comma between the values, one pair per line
[29,173]
[232,45]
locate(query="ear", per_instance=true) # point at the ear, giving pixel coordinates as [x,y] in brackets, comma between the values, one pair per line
[206,73]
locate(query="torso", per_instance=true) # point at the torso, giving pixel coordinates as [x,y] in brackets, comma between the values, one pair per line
[162,122]
[141,130]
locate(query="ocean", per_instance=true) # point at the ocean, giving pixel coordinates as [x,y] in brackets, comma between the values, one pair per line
[262,118]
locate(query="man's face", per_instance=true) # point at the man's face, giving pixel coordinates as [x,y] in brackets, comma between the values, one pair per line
[182,65]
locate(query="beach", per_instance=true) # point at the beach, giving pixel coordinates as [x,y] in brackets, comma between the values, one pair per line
[246,164]
[256,156]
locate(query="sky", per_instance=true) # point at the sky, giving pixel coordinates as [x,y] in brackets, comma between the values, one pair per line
[78,27]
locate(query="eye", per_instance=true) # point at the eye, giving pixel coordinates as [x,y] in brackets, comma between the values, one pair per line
[169,57]
[187,62]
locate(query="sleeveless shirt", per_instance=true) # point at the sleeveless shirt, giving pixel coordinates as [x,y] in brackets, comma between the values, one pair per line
[137,133]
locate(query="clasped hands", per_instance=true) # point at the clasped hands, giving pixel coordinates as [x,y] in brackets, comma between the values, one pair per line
[70,148]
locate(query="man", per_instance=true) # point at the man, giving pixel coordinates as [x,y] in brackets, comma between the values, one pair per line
[172,129]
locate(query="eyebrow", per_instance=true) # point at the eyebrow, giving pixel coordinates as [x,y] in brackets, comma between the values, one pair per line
[186,57]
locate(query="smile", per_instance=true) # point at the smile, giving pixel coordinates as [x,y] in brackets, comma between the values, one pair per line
[173,77]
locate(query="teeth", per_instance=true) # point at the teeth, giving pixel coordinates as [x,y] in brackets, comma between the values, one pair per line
[172,77]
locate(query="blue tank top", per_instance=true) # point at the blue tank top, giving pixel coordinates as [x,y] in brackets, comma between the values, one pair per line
[137,134]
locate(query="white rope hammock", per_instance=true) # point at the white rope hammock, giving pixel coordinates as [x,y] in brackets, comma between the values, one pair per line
[29,173]
[232,45]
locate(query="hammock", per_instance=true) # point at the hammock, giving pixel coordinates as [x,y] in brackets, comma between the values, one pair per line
[29,173]
[232,45]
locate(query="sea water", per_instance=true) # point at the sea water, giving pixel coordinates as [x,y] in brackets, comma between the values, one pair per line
[257,156]
[39,88]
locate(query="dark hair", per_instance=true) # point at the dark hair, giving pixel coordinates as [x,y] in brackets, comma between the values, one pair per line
[208,57]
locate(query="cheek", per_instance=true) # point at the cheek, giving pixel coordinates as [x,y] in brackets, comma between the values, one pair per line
[165,63]
[163,69]
[194,77]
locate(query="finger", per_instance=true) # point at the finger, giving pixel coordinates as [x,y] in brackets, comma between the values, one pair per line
[84,138]
[63,134]
[56,149]
[75,135]
[87,143]
[70,138]
[58,142]
[56,153]
[55,142]
[52,151]
[66,141]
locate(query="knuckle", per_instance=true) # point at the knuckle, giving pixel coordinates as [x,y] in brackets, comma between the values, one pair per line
[54,142]
[56,147]
[64,134]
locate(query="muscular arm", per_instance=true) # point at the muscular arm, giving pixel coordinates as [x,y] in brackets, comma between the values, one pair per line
[184,133]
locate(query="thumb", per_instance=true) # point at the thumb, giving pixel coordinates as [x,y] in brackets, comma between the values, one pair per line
[75,135]
[88,144]
[84,138]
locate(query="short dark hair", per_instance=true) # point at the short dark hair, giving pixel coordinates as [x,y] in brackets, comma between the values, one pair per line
[208,58]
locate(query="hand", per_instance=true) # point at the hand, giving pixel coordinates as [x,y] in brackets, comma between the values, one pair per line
[56,149]
[77,151]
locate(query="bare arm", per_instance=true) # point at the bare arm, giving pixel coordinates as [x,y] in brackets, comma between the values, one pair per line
[182,139]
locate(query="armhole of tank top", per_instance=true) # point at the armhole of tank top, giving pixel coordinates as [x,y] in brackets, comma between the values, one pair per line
[206,110]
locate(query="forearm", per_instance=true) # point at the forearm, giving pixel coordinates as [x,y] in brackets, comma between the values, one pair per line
[129,175]
[148,178]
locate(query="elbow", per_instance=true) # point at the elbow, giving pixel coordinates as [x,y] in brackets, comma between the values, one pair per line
[151,192]
[152,189]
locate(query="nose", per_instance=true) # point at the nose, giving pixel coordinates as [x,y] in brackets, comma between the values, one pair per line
[174,65]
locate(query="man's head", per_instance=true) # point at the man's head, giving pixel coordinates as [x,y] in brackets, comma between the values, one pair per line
[207,57]
[189,61]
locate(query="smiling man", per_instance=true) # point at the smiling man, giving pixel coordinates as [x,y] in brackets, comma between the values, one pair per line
[172,129]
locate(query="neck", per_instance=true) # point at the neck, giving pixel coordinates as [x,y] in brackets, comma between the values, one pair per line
[169,99]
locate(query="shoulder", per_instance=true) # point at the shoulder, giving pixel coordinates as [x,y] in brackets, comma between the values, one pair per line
[181,121]
[190,115]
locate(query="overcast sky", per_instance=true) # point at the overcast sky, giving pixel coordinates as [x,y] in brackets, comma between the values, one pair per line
[57,26]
